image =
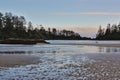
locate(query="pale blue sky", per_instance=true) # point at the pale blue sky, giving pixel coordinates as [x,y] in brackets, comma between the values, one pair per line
[80,14]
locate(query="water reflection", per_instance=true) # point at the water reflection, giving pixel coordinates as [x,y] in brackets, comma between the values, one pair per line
[57,49]
[109,49]
[101,49]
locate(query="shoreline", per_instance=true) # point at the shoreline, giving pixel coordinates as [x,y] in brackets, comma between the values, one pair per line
[23,41]
[101,45]
[14,60]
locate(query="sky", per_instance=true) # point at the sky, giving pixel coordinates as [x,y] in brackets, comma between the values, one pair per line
[83,16]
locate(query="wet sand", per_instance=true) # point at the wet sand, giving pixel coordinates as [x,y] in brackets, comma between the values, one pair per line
[97,67]
[104,67]
[12,60]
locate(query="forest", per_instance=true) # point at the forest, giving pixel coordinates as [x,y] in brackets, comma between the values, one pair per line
[112,32]
[13,26]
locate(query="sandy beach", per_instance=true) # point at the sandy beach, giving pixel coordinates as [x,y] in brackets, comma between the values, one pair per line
[104,67]
[11,60]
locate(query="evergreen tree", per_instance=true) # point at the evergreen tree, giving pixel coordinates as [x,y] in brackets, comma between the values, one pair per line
[15,27]
[100,33]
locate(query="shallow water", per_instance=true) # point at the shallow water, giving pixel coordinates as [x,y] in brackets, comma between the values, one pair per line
[58,62]
[58,48]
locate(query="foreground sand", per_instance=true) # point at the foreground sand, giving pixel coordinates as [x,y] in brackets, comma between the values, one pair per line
[104,67]
[11,60]
[95,67]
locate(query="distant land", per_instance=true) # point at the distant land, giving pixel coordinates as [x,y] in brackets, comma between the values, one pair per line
[16,27]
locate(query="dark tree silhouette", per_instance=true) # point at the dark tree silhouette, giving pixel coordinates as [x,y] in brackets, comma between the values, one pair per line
[111,33]
[100,33]
[12,26]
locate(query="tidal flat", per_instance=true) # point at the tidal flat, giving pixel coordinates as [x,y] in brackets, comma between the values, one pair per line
[62,62]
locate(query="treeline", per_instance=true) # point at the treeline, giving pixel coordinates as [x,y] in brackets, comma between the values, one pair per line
[13,26]
[112,32]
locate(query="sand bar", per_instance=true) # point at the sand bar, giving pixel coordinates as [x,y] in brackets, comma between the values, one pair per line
[12,60]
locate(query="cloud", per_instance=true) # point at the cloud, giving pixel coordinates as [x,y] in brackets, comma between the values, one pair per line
[86,13]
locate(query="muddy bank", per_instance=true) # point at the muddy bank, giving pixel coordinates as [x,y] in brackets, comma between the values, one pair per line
[12,60]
